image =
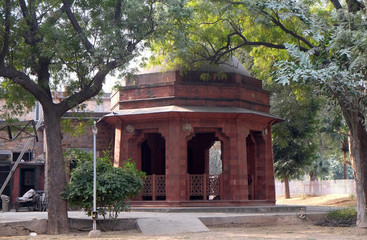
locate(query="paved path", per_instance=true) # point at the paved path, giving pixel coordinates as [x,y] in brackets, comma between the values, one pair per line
[173,221]
[168,225]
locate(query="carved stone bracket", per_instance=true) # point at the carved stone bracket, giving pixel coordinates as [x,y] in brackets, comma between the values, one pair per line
[187,127]
[130,128]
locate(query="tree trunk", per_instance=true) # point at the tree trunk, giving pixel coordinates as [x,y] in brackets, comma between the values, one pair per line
[345,165]
[358,149]
[287,194]
[345,149]
[56,178]
[310,186]
[359,153]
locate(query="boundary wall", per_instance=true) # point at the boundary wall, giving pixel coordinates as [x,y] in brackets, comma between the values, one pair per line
[324,187]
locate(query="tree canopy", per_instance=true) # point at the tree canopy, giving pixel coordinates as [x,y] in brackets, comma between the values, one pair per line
[71,46]
[293,143]
[313,43]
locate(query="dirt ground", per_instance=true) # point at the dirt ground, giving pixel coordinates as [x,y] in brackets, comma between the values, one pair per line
[303,232]
[340,200]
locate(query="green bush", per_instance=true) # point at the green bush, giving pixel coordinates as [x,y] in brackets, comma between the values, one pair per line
[343,214]
[115,186]
[345,217]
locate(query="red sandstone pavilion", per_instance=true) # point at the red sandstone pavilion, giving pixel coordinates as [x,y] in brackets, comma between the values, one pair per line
[167,121]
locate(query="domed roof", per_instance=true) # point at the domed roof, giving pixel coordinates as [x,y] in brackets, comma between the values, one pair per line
[232,65]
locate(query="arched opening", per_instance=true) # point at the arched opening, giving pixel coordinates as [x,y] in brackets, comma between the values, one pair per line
[215,158]
[153,163]
[204,166]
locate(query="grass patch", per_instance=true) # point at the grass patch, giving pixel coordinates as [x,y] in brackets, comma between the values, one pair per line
[343,214]
[345,217]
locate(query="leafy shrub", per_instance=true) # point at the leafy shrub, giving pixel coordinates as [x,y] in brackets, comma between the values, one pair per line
[343,214]
[345,217]
[115,186]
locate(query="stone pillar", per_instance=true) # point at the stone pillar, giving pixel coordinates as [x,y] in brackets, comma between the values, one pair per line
[233,169]
[237,166]
[238,162]
[207,159]
[225,191]
[176,162]
[269,168]
[242,160]
[131,146]
[261,174]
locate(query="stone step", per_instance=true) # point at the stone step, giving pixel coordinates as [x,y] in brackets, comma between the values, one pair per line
[248,209]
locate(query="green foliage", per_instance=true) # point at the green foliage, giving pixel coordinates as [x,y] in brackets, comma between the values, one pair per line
[314,44]
[351,196]
[293,146]
[222,76]
[71,46]
[318,169]
[339,70]
[217,28]
[78,156]
[345,217]
[78,126]
[115,185]
[343,214]
[336,170]
[305,43]
[330,138]
[17,100]
[205,77]
[56,53]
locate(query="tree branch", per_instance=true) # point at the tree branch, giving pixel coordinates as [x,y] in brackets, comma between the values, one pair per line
[66,8]
[87,92]
[151,30]
[281,26]
[277,22]
[30,34]
[249,43]
[218,54]
[353,6]
[235,3]
[215,57]
[24,80]
[44,75]
[41,64]
[6,35]
[336,4]
[266,44]
[117,18]
[131,46]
